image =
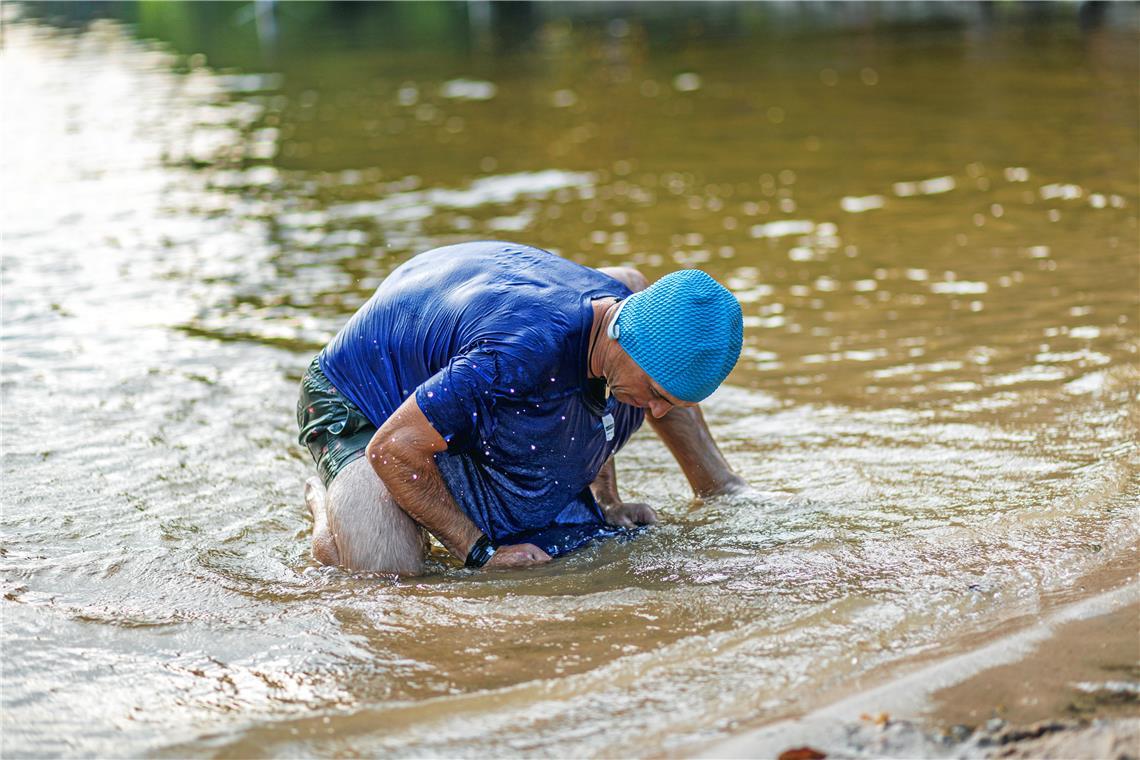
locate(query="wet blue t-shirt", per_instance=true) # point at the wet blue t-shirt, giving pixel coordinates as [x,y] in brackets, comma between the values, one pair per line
[492,337]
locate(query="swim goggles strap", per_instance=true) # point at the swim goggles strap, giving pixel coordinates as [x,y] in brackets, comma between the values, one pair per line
[481,552]
[613,330]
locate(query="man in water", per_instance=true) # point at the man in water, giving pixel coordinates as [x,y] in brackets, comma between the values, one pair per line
[482,392]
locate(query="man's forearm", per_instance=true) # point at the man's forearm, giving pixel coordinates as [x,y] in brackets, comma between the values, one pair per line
[413,479]
[605,485]
[687,437]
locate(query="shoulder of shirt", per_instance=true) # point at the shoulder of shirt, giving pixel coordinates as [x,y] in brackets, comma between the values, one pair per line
[526,358]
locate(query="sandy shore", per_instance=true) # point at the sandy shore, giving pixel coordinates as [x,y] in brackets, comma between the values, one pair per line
[1067,686]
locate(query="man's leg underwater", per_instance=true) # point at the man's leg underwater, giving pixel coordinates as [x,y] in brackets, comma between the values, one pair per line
[358,526]
[684,431]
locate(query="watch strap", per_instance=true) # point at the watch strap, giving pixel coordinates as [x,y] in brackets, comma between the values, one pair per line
[481,552]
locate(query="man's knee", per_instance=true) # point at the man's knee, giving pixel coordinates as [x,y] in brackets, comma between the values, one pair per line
[628,276]
[371,532]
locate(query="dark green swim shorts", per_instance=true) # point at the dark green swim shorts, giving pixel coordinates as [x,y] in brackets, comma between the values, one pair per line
[333,428]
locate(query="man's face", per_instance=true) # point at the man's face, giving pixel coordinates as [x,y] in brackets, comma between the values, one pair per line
[629,384]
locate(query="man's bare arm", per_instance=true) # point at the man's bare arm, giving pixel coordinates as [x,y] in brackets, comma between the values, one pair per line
[402,454]
[687,437]
[616,511]
[605,485]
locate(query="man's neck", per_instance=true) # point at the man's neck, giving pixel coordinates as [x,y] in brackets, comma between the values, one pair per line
[600,342]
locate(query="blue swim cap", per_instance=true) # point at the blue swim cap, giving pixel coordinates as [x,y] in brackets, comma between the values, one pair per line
[685,331]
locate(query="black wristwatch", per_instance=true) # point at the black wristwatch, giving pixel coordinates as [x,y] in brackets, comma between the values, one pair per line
[481,552]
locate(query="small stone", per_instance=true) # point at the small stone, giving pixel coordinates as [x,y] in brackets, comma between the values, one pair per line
[960,732]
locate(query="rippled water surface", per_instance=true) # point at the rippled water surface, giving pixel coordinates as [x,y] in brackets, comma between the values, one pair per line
[933,233]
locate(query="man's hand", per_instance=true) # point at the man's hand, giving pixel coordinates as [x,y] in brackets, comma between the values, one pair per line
[731,485]
[629,515]
[617,512]
[518,555]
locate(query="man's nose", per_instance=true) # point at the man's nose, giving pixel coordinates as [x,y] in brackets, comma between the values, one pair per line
[659,407]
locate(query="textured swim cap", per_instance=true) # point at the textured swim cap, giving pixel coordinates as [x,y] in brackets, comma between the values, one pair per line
[685,331]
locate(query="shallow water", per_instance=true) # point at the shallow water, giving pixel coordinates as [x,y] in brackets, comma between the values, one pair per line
[933,232]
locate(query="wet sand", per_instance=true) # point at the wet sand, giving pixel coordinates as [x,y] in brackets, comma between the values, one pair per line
[1083,671]
[1076,695]
[1067,686]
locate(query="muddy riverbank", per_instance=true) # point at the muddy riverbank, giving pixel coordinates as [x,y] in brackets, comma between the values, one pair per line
[1064,683]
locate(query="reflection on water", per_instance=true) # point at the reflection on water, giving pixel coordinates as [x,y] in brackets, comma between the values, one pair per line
[932,231]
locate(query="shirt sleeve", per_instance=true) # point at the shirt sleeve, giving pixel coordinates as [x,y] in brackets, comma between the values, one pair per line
[459,400]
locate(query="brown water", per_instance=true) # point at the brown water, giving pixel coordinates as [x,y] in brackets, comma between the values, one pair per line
[933,232]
